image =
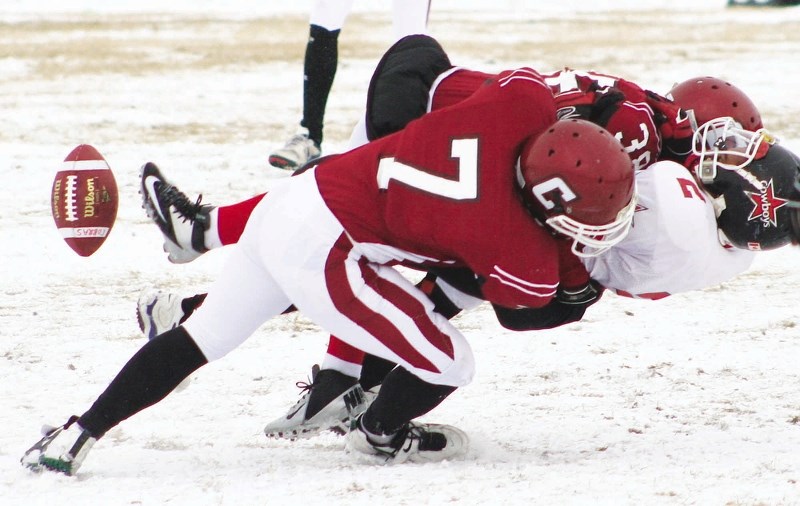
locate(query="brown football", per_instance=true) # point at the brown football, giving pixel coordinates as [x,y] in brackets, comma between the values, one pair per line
[84,200]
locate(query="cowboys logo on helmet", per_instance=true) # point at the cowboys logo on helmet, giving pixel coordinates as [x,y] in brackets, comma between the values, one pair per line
[753,182]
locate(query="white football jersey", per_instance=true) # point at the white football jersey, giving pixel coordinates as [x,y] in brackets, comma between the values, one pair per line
[673,245]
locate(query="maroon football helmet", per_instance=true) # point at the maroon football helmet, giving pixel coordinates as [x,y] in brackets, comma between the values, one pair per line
[578,180]
[710,98]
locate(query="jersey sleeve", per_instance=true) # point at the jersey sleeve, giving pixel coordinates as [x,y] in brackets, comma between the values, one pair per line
[534,288]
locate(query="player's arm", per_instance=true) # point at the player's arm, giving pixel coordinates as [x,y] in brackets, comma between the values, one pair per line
[568,306]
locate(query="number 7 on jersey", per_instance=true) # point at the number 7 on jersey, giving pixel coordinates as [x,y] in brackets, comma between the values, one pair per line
[463,187]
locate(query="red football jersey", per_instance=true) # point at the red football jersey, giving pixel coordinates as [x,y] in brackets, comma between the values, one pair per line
[443,192]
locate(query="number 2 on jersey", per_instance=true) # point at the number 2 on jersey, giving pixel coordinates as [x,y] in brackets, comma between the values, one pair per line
[463,187]
[690,189]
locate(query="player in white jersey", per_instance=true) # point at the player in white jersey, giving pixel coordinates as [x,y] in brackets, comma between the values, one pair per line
[684,255]
[319,69]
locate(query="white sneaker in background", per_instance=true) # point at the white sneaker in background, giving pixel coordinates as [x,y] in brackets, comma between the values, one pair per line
[298,151]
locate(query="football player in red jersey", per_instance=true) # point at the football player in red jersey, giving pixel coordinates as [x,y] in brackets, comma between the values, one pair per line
[442,193]
[676,220]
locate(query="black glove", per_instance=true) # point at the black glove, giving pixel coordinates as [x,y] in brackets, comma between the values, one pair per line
[568,306]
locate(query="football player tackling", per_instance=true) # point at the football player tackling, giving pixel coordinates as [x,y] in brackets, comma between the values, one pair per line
[442,193]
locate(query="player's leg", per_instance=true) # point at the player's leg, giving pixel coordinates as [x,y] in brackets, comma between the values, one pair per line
[399,87]
[437,362]
[349,379]
[374,311]
[242,298]
[410,17]
[386,428]
[319,69]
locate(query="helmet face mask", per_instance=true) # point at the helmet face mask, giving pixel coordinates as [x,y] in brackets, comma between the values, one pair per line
[593,240]
[723,144]
[578,181]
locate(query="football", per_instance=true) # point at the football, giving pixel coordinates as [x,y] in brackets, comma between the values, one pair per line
[84,200]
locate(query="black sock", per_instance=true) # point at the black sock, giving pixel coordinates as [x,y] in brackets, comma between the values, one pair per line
[321,59]
[374,370]
[402,398]
[444,306]
[152,373]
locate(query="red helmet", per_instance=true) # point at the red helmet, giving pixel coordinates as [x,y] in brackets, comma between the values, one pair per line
[710,98]
[579,181]
[631,123]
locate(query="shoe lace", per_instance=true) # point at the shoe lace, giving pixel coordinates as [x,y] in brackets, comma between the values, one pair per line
[427,440]
[403,441]
[188,210]
[306,386]
[406,438]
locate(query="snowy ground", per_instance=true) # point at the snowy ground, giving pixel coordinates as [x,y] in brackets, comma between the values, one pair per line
[689,400]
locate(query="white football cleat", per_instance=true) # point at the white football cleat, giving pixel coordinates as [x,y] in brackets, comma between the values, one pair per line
[62,449]
[330,402]
[158,312]
[183,222]
[415,442]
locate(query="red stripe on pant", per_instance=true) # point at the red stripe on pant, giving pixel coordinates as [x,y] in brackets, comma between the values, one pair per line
[344,351]
[376,324]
